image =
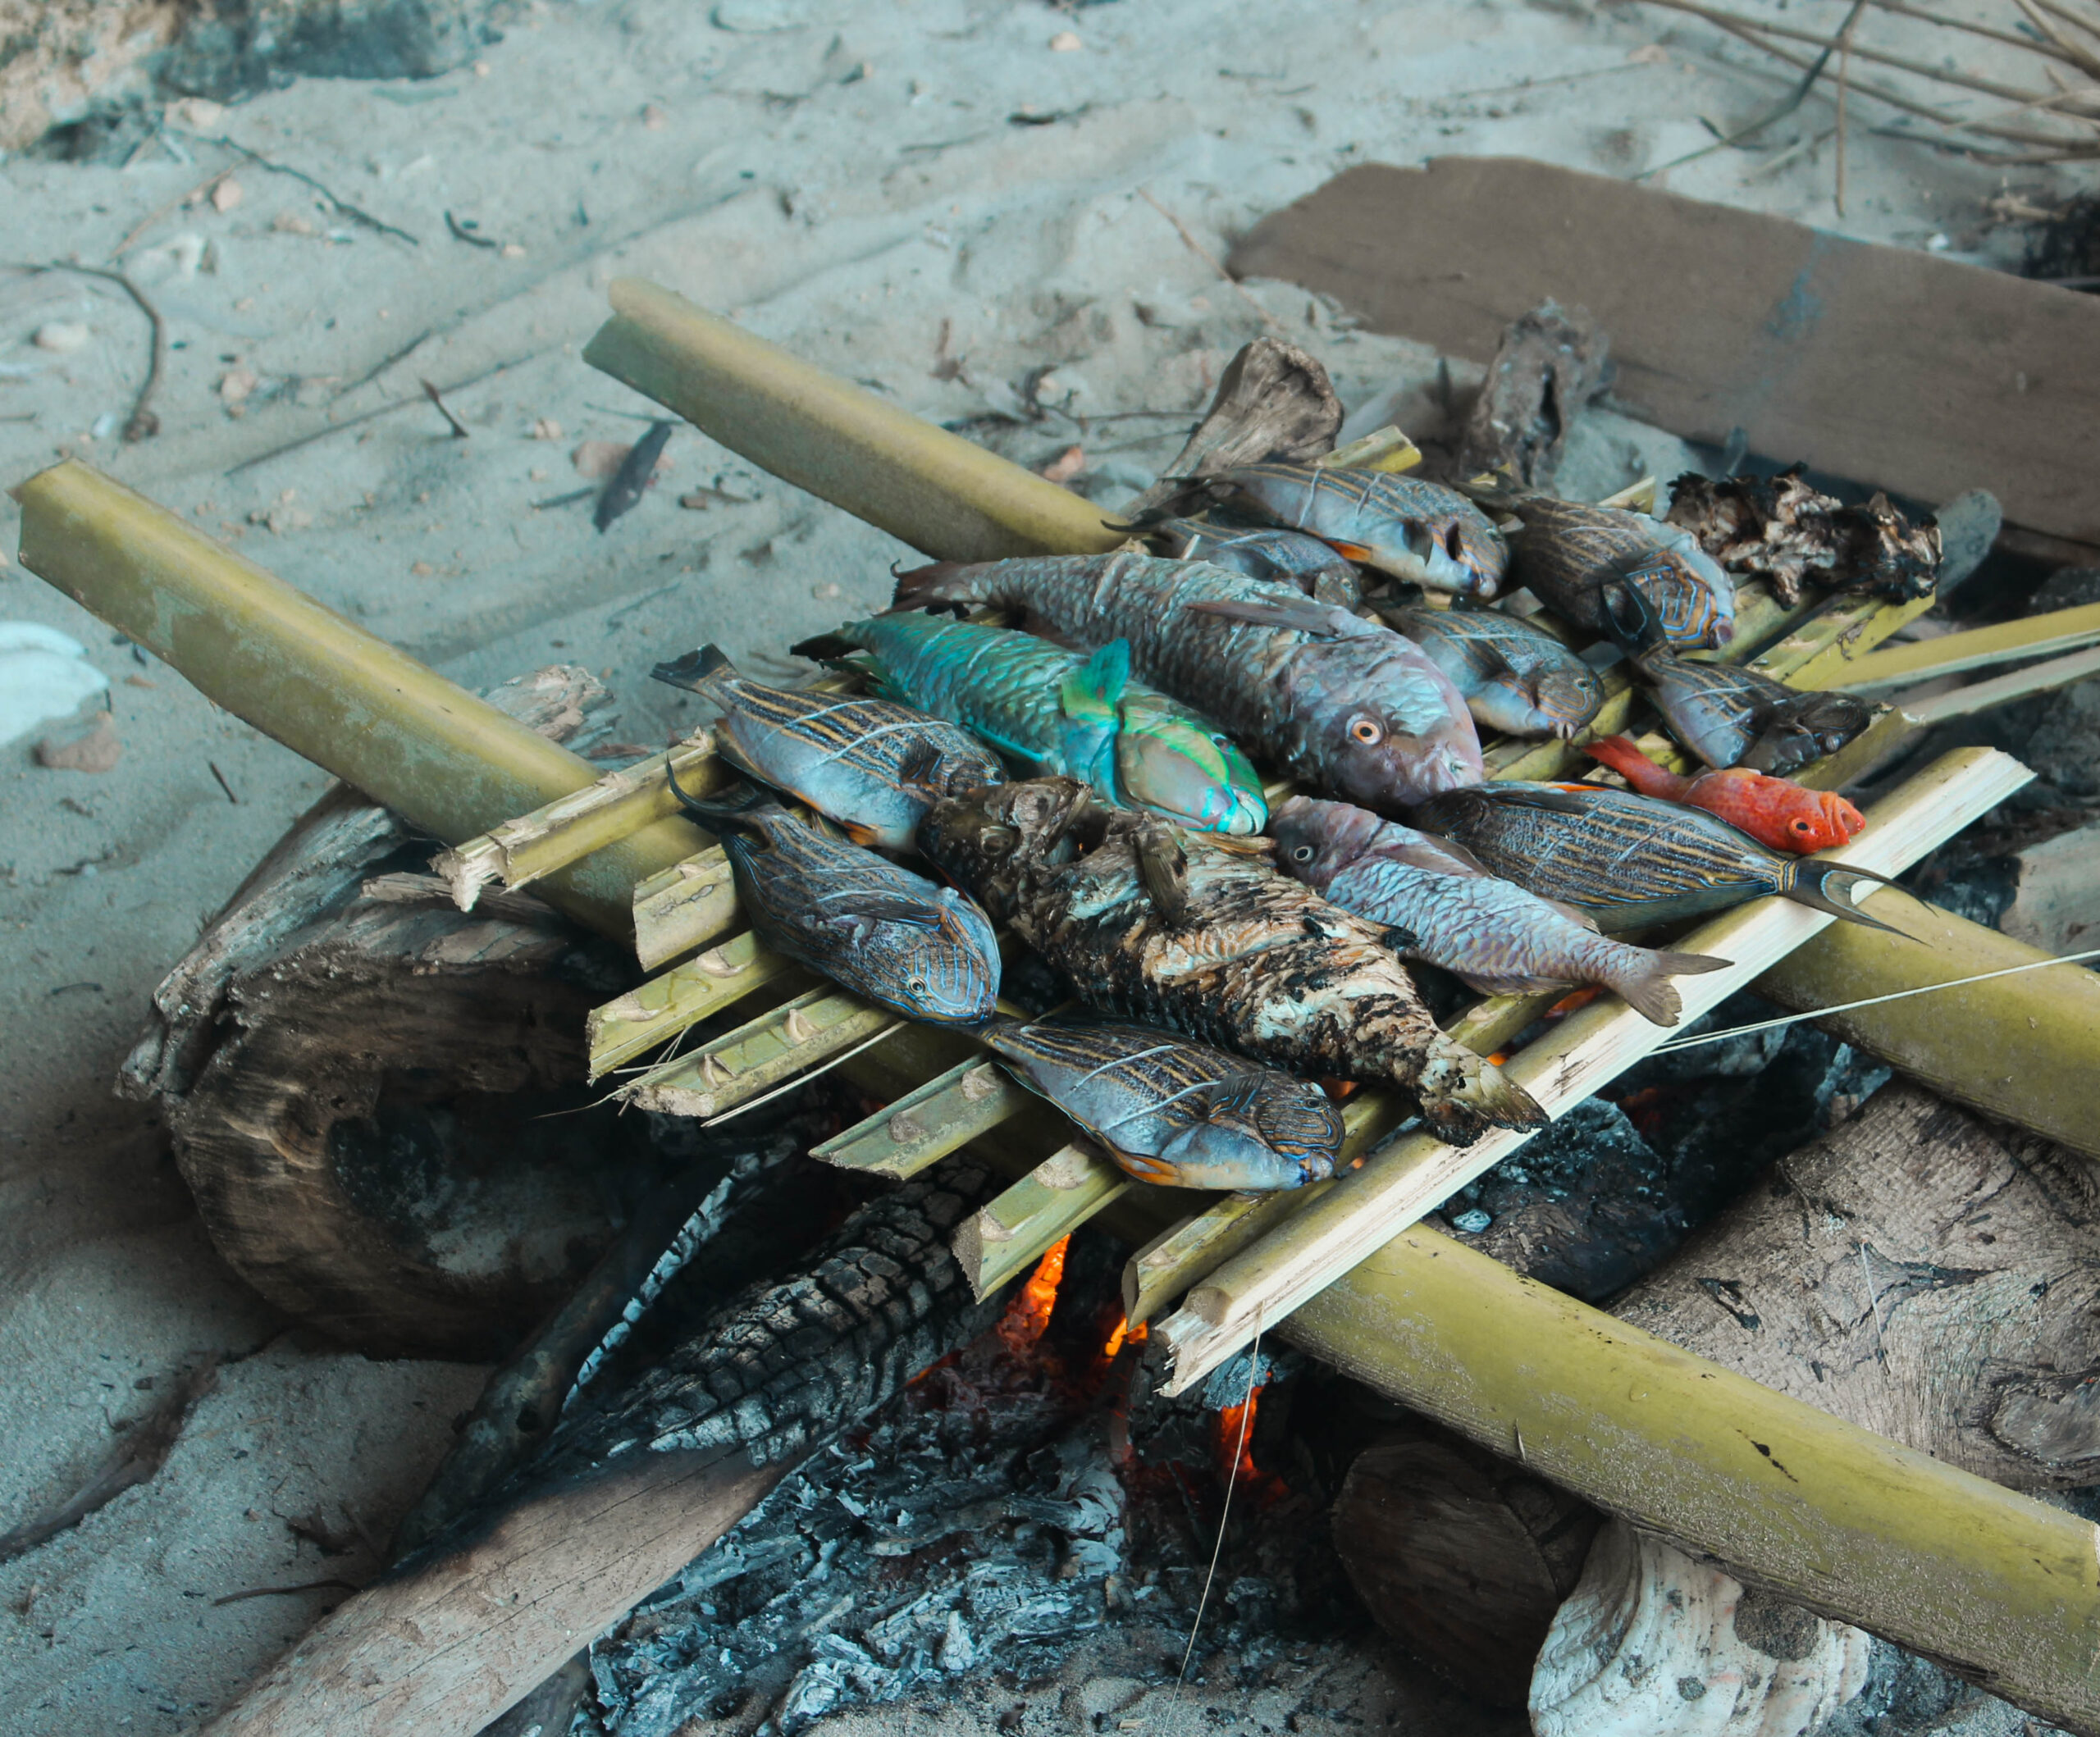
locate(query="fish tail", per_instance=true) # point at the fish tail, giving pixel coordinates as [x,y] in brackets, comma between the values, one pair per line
[1462,1095]
[825,648]
[940,582]
[1832,886]
[698,671]
[1642,980]
[1619,753]
[730,809]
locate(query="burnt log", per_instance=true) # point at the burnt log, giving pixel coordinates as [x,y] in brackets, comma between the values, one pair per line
[1550,362]
[627,1494]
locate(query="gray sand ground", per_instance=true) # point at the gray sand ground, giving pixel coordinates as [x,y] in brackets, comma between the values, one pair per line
[846,179]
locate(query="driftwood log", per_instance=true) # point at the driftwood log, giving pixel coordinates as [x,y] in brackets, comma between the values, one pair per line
[1550,364]
[407,1208]
[625,1495]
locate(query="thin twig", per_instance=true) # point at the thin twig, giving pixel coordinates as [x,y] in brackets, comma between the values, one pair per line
[1212,260]
[154,216]
[279,1592]
[1787,105]
[223,785]
[367,416]
[1844,81]
[459,429]
[461,233]
[2087,62]
[142,424]
[2091,26]
[2008,37]
[354,213]
[372,373]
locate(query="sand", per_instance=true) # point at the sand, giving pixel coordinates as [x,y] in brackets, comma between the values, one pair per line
[851,179]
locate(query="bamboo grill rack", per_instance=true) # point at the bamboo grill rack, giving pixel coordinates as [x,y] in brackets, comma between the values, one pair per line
[1931,1558]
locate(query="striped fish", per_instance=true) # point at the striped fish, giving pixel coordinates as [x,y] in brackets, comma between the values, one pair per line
[872,765]
[1629,860]
[1572,554]
[1401,525]
[1443,908]
[926,951]
[1516,678]
[1174,1112]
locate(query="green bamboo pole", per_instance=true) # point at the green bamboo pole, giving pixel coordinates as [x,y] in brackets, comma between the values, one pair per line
[2002,1587]
[1955,653]
[935,490]
[446,762]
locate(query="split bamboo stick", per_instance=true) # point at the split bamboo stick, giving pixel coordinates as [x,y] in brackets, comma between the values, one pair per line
[1007,1236]
[687,905]
[446,762]
[925,1125]
[656,1011]
[945,496]
[784,1041]
[2001,1587]
[1590,1049]
[1980,648]
[2019,683]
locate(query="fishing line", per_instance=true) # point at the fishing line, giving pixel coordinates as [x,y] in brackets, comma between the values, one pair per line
[1898,994]
[803,1079]
[1225,1515]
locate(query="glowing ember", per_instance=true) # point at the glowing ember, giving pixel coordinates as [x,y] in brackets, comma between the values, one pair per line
[1027,1315]
[1234,1444]
[1569,1004]
[1124,1334]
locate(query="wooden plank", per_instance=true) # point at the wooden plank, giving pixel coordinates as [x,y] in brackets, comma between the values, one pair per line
[1586,1052]
[1890,366]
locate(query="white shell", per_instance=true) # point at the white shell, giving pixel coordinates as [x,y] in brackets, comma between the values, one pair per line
[1646,1646]
[44,675]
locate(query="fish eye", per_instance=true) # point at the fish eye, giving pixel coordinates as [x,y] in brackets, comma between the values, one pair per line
[1304,854]
[1366,731]
[1800,826]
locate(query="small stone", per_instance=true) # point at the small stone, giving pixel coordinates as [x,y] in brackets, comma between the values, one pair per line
[1473,1222]
[481,69]
[422,569]
[546,428]
[63,336]
[98,751]
[1065,42]
[237,383]
[227,194]
[654,118]
[200,114]
[826,592]
[291,223]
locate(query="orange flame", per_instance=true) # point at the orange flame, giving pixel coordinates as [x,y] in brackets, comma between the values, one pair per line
[1236,1435]
[1567,1004]
[1027,1315]
[1124,1334]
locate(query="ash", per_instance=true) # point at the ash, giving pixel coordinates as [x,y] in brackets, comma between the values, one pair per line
[1018,1498]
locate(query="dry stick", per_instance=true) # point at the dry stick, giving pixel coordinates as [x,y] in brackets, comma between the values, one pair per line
[1212,260]
[142,424]
[2008,37]
[352,212]
[2084,58]
[280,1592]
[372,373]
[459,429]
[367,416]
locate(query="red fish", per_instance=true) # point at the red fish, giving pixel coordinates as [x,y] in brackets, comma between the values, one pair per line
[1778,813]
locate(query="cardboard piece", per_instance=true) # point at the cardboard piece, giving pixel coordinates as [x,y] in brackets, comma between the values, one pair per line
[1898,369]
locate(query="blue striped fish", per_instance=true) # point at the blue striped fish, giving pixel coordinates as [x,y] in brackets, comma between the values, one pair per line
[872,765]
[1174,1112]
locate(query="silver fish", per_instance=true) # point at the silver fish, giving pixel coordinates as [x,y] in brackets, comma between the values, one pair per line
[1268,552]
[1444,908]
[1345,703]
[1173,1111]
[1516,678]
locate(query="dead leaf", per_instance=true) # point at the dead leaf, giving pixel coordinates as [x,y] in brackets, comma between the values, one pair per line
[97,751]
[227,194]
[1066,466]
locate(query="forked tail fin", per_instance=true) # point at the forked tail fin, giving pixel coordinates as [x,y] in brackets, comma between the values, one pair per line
[696,670]
[1643,981]
[730,809]
[1832,886]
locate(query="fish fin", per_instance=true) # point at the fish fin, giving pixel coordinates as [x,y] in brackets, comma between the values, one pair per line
[866,836]
[1647,988]
[1158,1171]
[918,764]
[695,670]
[1461,1096]
[1163,868]
[1298,615]
[1629,618]
[939,583]
[1089,693]
[1576,915]
[1619,753]
[1348,551]
[728,809]
[1832,887]
[1556,799]
[824,648]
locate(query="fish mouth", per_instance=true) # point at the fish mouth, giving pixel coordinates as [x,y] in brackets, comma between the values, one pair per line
[1248,813]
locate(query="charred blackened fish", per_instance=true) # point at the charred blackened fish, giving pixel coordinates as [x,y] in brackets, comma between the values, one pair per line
[1730,715]
[1192,931]
[1345,703]
[871,765]
[880,931]
[1571,555]
[1265,552]
[1783,530]
[1174,1112]
[1401,525]
[1054,710]
[1628,860]
[1516,678]
[1495,936]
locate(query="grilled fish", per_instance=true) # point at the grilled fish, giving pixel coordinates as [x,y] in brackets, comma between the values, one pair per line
[1495,936]
[1345,703]
[894,937]
[1629,859]
[871,765]
[1773,811]
[1516,678]
[1402,524]
[1199,934]
[1572,554]
[1174,1112]
[1054,710]
[1266,552]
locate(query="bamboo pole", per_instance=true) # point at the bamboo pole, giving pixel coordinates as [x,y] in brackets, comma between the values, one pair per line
[774,1048]
[1980,648]
[1589,1049]
[945,496]
[446,762]
[684,906]
[1005,1237]
[926,1124]
[656,1011]
[2019,683]
[2002,1587]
